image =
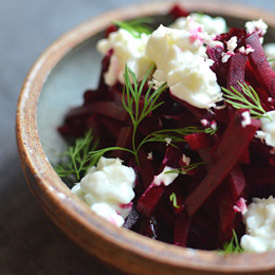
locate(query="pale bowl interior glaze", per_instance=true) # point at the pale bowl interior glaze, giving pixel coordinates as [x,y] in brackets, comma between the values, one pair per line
[62,85]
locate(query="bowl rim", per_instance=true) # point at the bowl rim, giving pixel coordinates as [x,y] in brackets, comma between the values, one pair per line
[52,193]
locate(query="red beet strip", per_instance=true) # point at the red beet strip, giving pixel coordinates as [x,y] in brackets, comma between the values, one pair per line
[262,69]
[234,142]
[236,71]
[181,230]
[105,108]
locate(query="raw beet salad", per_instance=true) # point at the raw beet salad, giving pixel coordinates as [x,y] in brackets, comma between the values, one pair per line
[177,142]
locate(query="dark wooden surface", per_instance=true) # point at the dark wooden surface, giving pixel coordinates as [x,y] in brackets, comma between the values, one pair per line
[29,242]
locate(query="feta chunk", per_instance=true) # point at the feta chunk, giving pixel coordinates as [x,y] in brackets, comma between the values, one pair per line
[211,25]
[231,46]
[107,189]
[127,50]
[164,177]
[182,64]
[270,53]
[267,133]
[246,119]
[260,226]
[256,26]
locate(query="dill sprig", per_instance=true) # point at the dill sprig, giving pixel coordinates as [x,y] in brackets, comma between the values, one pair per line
[77,157]
[131,101]
[95,155]
[248,99]
[183,170]
[173,199]
[233,246]
[176,135]
[136,27]
[83,154]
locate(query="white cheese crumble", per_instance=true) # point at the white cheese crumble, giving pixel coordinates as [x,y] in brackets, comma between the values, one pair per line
[150,156]
[267,133]
[246,119]
[204,122]
[256,26]
[108,189]
[246,50]
[260,226]
[127,50]
[186,160]
[231,46]
[181,63]
[168,141]
[241,206]
[216,25]
[164,177]
[270,53]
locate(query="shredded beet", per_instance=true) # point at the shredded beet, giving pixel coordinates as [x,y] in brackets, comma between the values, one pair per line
[219,167]
[227,155]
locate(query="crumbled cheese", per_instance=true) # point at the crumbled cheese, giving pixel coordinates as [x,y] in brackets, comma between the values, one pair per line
[260,226]
[107,212]
[246,50]
[270,99]
[213,125]
[267,133]
[164,177]
[231,46]
[127,49]
[270,53]
[256,26]
[186,160]
[204,122]
[150,156]
[209,24]
[241,206]
[108,189]
[246,119]
[183,66]
[168,141]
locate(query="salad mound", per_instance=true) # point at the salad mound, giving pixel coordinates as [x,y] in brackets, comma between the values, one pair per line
[179,137]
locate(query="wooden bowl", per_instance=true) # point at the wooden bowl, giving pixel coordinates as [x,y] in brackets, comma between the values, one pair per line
[55,83]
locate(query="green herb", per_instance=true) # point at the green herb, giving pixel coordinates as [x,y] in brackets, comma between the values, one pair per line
[131,97]
[248,99]
[271,60]
[95,155]
[183,170]
[77,157]
[82,156]
[233,246]
[176,135]
[136,27]
[173,199]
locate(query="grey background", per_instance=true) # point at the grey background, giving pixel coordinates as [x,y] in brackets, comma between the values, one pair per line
[29,241]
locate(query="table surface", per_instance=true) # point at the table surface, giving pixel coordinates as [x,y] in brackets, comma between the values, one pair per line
[29,242]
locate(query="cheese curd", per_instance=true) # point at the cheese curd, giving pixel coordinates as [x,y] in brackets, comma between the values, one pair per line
[127,49]
[267,134]
[166,177]
[260,226]
[108,189]
[182,63]
[209,24]
[256,26]
[270,53]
